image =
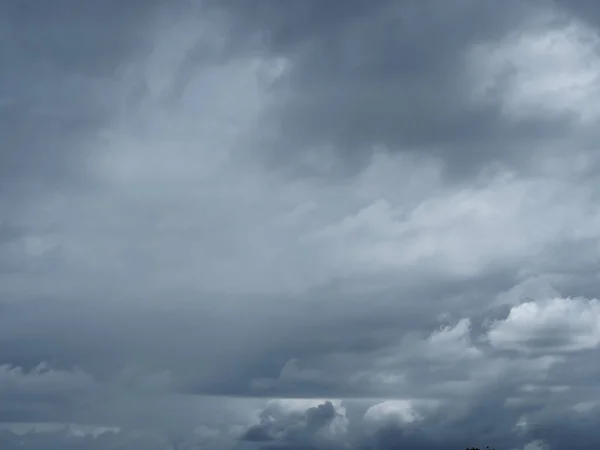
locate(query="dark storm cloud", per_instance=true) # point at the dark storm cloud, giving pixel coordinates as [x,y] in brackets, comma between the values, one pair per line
[586,10]
[388,73]
[93,38]
[58,61]
[296,430]
[348,426]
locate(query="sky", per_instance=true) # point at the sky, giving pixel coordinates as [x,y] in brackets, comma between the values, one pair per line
[322,225]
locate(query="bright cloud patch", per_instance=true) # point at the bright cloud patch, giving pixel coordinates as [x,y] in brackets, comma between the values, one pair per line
[554,324]
[547,70]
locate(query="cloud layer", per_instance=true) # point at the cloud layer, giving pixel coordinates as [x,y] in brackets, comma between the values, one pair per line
[324,225]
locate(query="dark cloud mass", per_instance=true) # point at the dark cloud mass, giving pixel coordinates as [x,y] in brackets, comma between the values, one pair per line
[253,225]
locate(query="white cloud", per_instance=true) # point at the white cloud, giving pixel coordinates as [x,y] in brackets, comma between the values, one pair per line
[399,412]
[586,406]
[536,445]
[554,324]
[453,343]
[460,232]
[545,70]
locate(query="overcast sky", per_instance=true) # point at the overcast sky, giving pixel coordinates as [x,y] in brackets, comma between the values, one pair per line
[311,224]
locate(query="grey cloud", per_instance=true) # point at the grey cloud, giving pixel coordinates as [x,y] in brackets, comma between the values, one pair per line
[390,74]
[107,32]
[41,393]
[42,379]
[167,250]
[76,437]
[57,88]
[289,430]
[298,429]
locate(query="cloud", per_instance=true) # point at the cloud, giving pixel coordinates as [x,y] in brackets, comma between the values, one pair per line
[42,379]
[535,445]
[554,324]
[561,82]
[299,226]
[396,412]
[319,426]
[367,85]
[72,430]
